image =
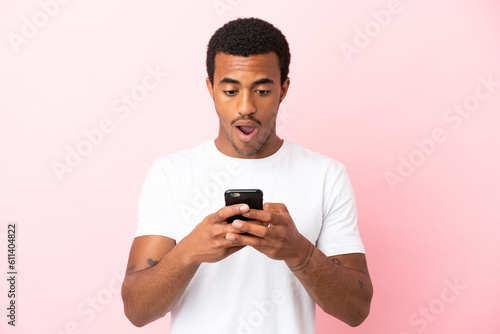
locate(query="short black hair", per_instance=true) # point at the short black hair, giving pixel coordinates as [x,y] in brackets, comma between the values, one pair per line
[246,37]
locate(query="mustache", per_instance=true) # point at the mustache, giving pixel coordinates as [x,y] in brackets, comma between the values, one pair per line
[246,118]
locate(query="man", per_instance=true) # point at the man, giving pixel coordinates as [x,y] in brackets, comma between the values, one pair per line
[266,274]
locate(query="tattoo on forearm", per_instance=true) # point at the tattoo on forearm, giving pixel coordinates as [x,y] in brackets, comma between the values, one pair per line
[152,263]
[130,270]
[337,262]
[306,260]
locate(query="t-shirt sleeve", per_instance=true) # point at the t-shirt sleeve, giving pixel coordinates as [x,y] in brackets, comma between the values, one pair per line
[154,218]
[339,233]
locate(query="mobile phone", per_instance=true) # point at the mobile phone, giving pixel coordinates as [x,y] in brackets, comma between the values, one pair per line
[252,197]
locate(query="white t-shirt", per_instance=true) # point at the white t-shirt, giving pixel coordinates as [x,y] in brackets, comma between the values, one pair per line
[247,292]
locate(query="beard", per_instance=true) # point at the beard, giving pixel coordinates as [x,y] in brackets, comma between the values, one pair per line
[249,149]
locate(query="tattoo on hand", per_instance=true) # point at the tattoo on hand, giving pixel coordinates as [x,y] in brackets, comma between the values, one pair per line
[361,285]
[152,263]
[336,261]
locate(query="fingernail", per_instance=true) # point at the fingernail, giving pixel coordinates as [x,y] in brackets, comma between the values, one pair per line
[237,224]
[244,207]
[230,237]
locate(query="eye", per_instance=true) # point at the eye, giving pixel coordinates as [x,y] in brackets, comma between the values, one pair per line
[262,92]
[230,92]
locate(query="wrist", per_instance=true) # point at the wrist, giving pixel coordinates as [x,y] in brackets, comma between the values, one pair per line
[186,258]
[303,256]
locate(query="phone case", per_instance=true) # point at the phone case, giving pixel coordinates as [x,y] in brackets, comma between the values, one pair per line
[252,197]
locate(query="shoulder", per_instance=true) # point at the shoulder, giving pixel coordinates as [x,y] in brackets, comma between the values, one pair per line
[185,157]
[179,164]
[303,155]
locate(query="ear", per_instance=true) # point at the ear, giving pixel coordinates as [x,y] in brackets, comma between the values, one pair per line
[284,89]
[210,88]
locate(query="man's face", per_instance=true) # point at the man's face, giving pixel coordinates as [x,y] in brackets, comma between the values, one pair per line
[247,93]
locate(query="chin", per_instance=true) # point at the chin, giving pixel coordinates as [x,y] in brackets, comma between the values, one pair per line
[246,150]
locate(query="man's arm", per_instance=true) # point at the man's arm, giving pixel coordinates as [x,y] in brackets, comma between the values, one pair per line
[157,275]
[340,285]
[160,270]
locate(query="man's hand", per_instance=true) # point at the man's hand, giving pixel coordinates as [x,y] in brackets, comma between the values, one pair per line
[160,270]
[273,233]
[340,285]
[207,242]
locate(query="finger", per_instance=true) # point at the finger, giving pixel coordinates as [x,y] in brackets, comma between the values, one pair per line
[252,228]
[223,242]
[257,222]
[264,216]
[247,240]
[272,217]
[231,228]
[275,207]
[228,211]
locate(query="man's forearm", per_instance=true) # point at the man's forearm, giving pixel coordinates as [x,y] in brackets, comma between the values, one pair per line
[151,293]
[341,292]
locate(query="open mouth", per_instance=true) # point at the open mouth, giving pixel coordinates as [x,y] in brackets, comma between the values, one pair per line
[247,130]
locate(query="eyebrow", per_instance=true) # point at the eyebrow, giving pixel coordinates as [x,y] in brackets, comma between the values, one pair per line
[263,81]
[229,80]
[255,83]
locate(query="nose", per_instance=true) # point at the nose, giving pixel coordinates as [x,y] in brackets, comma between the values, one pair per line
[246,104]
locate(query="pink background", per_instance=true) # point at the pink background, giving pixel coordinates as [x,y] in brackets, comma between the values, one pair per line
[435,227]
